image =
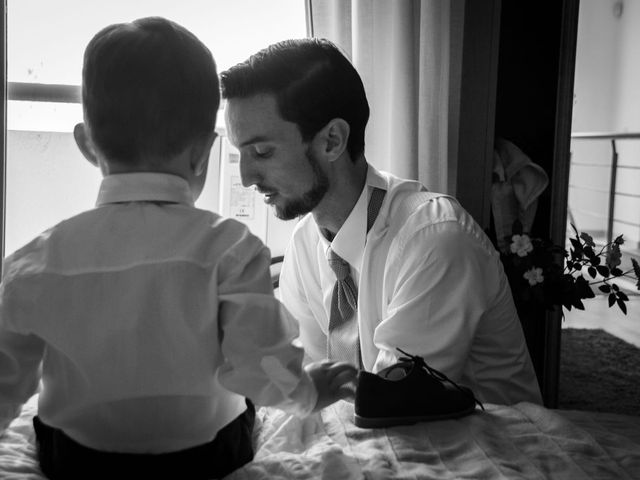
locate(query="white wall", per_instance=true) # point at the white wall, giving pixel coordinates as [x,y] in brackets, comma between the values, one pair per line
[49,181]
[607,99]
[597,62]
[627,119]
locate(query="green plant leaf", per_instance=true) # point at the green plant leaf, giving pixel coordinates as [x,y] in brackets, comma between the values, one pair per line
[582,288]
[592,271]
[612,299]
[636,270]
[588,251]
[622,296]
[574,229]
[603,270]
[577,246]
[604,288]
[622,306]
[619,240]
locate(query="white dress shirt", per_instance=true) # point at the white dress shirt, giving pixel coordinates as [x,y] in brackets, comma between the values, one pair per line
[429,282]
[148,322]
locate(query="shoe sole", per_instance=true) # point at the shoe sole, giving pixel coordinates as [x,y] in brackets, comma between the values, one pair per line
[382,422]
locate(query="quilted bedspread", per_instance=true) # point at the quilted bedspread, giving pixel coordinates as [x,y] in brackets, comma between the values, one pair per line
[524,441]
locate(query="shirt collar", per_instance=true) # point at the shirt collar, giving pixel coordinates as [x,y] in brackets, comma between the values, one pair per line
[350,240]
[144,186]
[376,179]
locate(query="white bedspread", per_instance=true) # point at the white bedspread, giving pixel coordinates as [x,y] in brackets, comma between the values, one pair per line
[524,441]
[17,447]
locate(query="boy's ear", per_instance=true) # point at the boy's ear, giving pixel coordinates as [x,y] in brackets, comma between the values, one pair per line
[333,138]
[84,143]
[200,159]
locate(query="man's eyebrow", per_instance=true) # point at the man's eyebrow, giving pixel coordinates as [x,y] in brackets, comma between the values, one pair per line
[254,139]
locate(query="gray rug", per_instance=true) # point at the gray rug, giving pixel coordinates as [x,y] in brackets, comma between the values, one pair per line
[598,372]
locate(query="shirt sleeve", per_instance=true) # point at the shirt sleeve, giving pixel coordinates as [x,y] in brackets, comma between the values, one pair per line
[20,360]
[262,358]
[293,278]
[438,294]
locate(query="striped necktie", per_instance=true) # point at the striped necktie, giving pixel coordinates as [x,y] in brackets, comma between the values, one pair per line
[342,341]
[343,338]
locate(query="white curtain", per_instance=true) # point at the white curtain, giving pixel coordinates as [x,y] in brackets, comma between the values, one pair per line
[408,53]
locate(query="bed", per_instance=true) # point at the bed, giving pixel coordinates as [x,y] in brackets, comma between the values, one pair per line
[524,441]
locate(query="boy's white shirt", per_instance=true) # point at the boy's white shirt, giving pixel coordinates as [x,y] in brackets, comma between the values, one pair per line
[154,320]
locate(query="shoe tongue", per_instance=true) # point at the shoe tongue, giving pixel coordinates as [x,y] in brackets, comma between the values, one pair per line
[396,371]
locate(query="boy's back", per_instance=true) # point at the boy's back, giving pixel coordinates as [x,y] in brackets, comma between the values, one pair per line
[126,296]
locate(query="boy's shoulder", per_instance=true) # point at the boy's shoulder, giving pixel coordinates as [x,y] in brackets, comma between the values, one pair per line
[32,255]
[220,235]
[27,259]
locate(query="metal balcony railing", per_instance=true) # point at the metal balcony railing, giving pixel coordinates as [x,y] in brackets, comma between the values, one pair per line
[615,169]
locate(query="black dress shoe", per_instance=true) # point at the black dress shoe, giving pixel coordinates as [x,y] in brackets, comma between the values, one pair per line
[407,392]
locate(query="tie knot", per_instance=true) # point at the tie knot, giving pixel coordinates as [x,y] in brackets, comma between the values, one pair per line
[339,266]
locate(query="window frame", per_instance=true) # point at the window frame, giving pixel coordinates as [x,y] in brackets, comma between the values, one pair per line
[43,92]
[3,138]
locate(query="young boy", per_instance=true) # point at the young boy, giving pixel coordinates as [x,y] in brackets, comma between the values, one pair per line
[149,322]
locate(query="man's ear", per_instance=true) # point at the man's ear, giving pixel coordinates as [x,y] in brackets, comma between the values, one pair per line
[202,151]
[333,138]
[84,143]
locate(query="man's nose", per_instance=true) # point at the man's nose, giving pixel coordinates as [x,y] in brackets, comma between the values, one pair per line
[248,172]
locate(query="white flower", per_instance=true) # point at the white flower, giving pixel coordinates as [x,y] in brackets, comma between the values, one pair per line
[534,276]
[521,245]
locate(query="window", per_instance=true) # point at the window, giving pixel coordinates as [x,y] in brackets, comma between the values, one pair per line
[47,179]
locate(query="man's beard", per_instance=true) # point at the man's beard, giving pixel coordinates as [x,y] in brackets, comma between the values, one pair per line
[302,205]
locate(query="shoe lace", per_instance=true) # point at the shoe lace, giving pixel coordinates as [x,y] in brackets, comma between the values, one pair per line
[419,361]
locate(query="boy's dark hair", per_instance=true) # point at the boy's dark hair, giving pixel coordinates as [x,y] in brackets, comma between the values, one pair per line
[149,90]
[313,83]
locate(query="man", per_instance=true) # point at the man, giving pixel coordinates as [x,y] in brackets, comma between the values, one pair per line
[421,274]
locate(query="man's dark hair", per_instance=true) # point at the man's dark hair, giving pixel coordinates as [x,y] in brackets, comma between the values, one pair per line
[313,83]
[149,89]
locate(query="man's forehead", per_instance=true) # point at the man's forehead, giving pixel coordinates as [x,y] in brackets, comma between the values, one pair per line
[254,119]
[242,109]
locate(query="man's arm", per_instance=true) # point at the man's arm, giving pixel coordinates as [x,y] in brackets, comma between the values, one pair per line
[441,281]
[294,280]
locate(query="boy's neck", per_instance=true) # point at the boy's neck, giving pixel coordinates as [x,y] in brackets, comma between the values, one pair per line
[169,166]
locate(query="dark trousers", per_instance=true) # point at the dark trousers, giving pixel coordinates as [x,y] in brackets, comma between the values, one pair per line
[62,458]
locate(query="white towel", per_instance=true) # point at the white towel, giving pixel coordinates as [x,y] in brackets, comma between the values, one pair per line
[517,184]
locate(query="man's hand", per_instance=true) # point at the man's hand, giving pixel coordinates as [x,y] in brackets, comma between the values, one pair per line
[333,380]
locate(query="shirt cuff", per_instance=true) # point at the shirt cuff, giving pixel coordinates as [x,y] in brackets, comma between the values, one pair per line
[304,397]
